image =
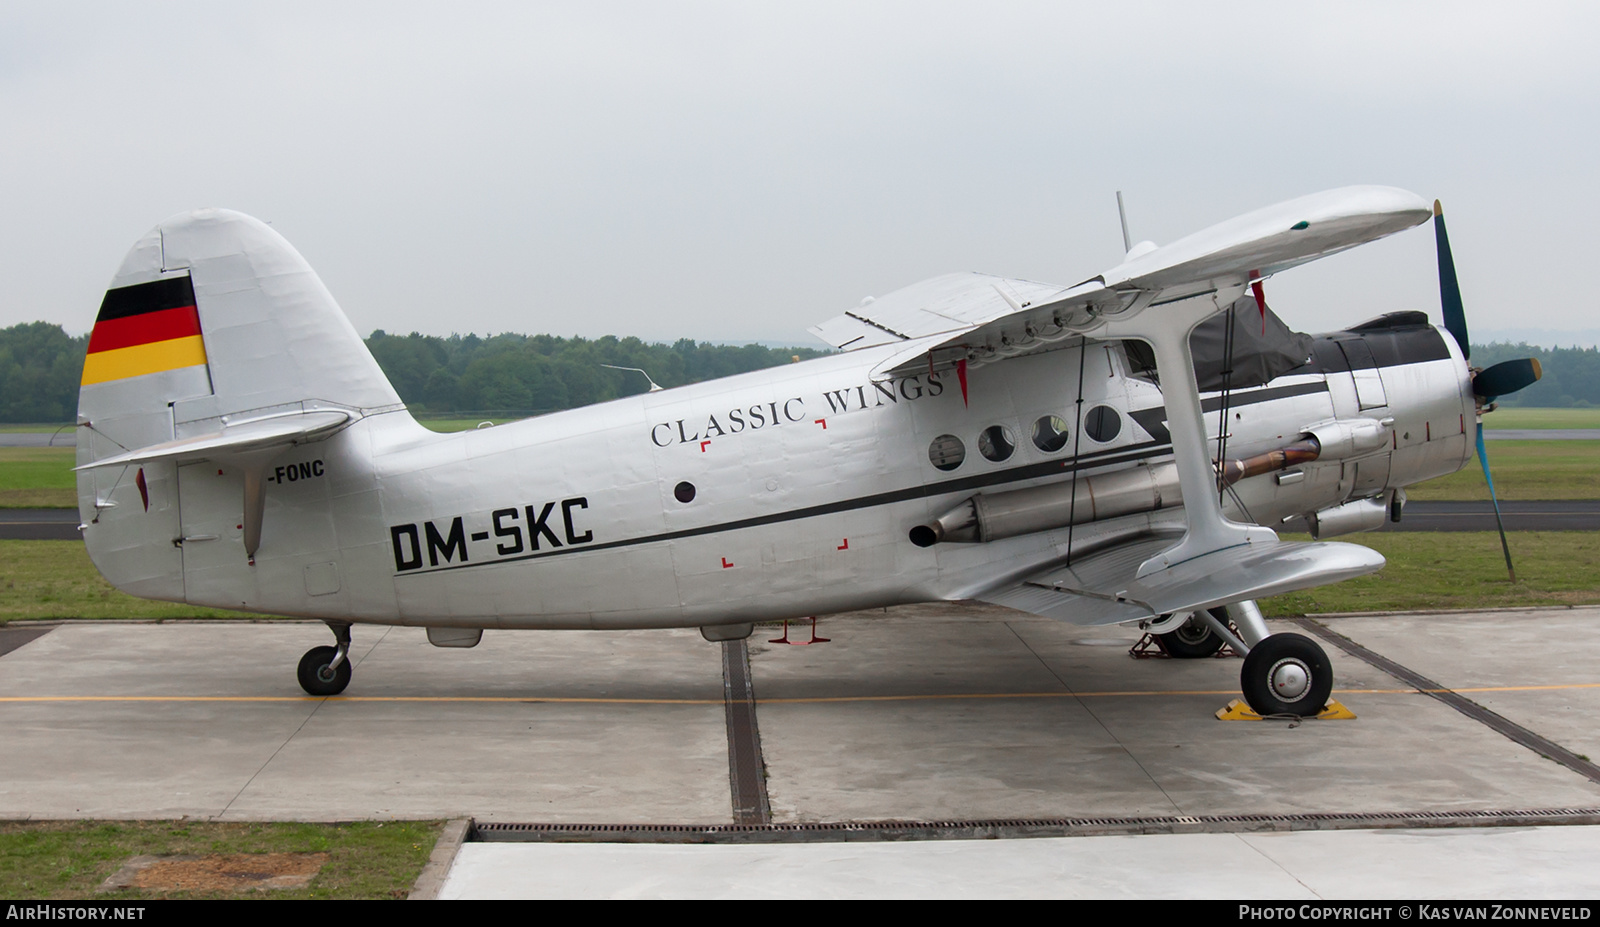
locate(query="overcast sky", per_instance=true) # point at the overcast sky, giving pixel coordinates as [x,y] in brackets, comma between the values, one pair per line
[743,170]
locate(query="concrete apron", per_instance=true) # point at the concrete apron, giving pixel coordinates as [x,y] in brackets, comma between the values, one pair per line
[928,713]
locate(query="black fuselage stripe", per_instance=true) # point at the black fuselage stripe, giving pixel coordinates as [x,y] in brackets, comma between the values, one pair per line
[1129,454]
[1251,397]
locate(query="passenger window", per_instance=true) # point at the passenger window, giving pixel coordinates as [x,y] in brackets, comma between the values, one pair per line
[1050,434]
[947,452]
[996,443]
[1102,424]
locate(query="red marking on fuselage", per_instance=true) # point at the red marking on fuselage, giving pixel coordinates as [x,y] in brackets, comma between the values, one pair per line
[144,490]
[725,563]
[845,545]
[961,374]
[703,446]
[823,422]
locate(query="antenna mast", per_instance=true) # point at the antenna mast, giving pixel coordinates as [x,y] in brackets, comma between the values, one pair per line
[1127,243]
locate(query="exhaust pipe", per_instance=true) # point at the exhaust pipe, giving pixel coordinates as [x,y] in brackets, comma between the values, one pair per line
[993,516]
[990,517]
[1303,451]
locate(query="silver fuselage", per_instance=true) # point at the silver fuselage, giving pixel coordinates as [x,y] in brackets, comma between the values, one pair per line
[806,480]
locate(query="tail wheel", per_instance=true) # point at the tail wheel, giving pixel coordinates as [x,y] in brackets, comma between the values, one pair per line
[315,676]
[1194,638]
[1287,674]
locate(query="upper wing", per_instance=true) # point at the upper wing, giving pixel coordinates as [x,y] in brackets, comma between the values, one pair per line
[979,319]
[944,305]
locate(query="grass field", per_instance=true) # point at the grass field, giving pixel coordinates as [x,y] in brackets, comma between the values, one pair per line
[1525,470]
[54,579]
[70,859]
[1430,570]
[1512,417]
[37,478]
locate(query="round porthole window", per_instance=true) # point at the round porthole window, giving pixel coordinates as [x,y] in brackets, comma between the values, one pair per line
[683,492]
[996,443]
[1102,423]
[947,452]
[1050,434]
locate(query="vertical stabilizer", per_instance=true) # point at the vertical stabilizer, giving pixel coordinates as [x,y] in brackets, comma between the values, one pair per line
[213,325]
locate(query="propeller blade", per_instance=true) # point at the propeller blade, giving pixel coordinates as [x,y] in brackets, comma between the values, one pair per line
[1455,318]
[1483,458]
[1506,377]
[1498,380]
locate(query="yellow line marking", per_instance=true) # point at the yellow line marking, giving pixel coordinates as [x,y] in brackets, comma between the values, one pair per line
[140,359]
[513,699]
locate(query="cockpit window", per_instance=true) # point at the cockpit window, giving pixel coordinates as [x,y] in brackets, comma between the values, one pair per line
[1141,360]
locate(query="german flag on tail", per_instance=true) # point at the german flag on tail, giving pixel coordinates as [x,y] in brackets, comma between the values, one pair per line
[145,328]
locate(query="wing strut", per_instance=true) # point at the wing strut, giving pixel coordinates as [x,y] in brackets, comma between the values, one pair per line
[1077,434]
[1168,334]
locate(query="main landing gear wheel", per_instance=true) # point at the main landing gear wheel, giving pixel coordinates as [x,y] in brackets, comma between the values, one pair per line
[1194,638]
[1287,674]
[315,675]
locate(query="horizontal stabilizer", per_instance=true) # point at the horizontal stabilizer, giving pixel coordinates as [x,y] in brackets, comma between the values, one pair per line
[258,434]
[1098,589]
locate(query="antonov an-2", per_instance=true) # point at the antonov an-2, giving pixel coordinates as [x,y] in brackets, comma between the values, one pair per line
[1068,451]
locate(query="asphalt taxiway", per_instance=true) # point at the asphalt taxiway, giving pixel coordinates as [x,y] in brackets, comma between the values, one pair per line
[919,727]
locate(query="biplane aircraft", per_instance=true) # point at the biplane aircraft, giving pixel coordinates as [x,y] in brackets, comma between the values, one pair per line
[1118,451]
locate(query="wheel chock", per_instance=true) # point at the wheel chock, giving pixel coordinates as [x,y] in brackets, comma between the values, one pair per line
[1237,710]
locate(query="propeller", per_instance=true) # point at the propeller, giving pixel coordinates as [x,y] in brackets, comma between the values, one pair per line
[1502,379]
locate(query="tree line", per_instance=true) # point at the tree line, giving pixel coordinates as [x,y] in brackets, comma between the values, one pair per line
[513,375]
[1571,375]
[41,365]
[544,373]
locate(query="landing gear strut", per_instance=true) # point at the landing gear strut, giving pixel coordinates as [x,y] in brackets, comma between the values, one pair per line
[326,670]
[1283,674]
[1194,638]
